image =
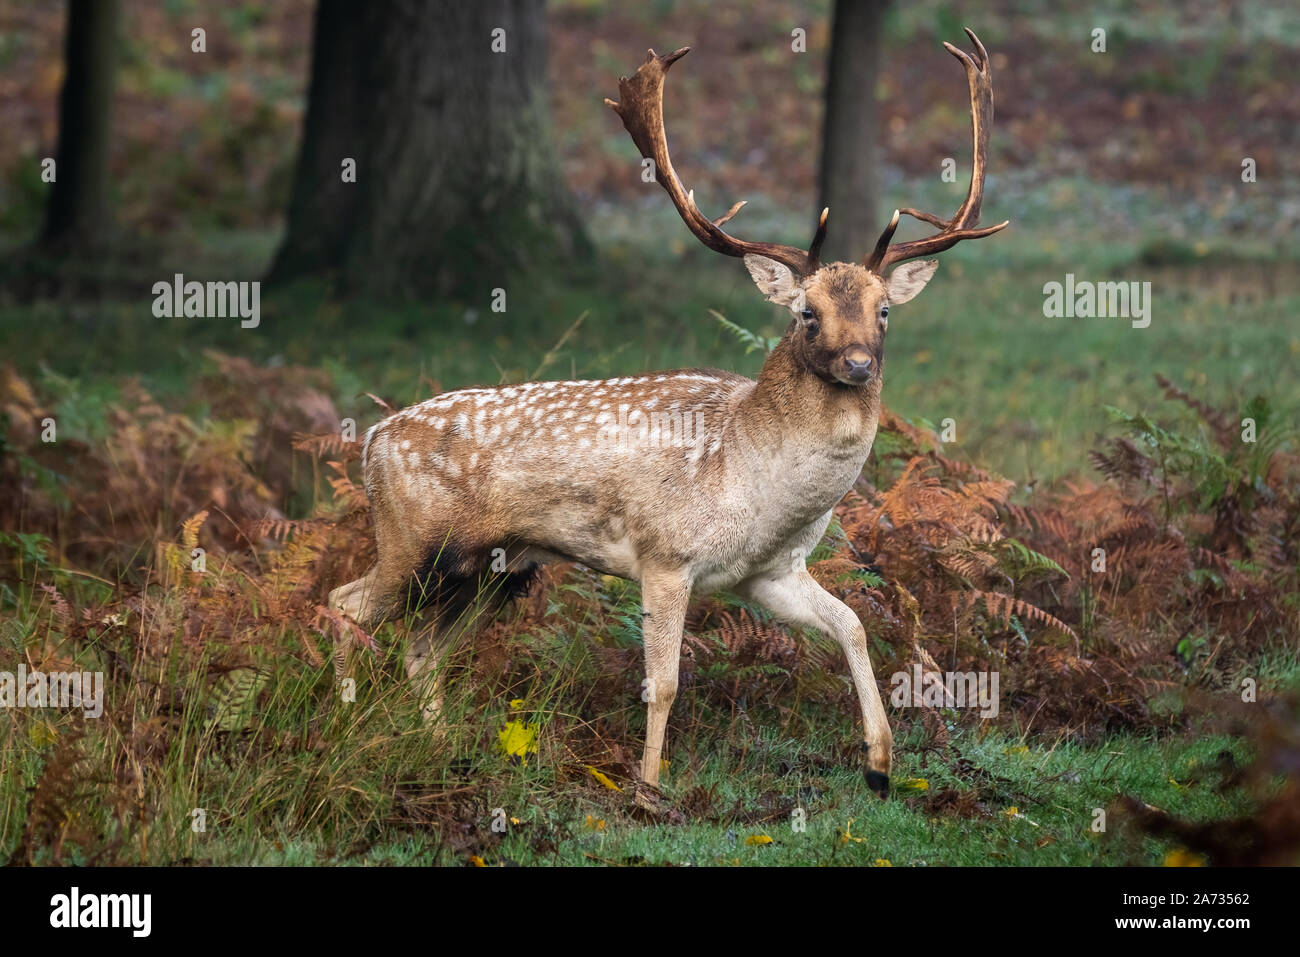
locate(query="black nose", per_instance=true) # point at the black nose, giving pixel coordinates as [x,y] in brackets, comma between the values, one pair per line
[859,369]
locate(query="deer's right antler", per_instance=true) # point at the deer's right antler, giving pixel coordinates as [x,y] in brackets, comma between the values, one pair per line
[964,222]
[640,106]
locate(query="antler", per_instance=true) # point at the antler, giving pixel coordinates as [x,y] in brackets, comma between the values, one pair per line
[964,222]
[641,108]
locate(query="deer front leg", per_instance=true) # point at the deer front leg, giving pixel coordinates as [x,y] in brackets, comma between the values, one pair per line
[664,597]
[796,599]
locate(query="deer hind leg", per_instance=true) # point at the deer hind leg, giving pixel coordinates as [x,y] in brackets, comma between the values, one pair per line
[796,599]
[358,599]
[664,598]
[367,601]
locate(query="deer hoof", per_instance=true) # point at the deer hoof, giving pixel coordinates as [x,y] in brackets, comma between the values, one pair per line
[879,783]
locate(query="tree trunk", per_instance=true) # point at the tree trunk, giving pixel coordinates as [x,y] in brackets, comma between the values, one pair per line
[455,174]
[78,213]
[851,129]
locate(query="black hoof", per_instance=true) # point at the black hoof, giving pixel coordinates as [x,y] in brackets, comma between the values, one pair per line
[879,783]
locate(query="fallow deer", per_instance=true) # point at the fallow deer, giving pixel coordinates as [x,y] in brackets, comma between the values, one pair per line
[687,482]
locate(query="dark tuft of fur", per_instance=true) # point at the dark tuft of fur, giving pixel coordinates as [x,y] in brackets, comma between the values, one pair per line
[441,576]
[451,581]
[518,584]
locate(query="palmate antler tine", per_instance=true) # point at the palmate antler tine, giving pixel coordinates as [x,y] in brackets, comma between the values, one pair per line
[964,224]
[640,107]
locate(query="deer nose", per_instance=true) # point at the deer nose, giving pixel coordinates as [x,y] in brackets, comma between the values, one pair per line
[859,370]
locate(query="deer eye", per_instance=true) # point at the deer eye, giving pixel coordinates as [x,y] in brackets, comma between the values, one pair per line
[884,313]
[808,315]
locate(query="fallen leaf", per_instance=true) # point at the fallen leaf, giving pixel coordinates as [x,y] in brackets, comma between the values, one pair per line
[1014,812]
[519,740]
[603,779]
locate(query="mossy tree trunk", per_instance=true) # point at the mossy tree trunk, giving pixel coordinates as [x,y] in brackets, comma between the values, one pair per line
[456,178]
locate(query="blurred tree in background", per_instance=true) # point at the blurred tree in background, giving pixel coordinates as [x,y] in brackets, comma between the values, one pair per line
[443,108]
[851,128]
[77,217]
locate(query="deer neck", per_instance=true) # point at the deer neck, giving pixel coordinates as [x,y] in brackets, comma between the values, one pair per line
[793,408]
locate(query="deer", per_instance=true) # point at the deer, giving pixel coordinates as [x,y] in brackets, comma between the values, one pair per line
[485,485]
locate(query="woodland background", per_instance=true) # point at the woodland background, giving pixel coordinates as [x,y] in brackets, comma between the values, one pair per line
[1121,690]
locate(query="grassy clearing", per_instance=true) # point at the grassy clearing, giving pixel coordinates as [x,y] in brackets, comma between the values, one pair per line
[308,778]
[289,773]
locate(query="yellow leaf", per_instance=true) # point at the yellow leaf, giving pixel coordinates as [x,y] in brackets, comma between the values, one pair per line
[595,824]
[517,704]
[882,862]
[1181,787]
[515,820]
[476,861]
[914,784]
[519,740]
[758,839]
[1018,749]
[603,779]
[663,765]
[1181,857]
[1014,812]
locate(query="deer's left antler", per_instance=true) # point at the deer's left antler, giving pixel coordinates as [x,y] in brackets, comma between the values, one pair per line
[965,221]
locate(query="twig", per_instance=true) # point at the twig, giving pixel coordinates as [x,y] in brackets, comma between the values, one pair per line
[550,356]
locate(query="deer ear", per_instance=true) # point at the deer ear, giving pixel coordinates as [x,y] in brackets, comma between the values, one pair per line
[909,279]
[775,281]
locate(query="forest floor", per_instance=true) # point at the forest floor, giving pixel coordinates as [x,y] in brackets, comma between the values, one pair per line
[1120,693]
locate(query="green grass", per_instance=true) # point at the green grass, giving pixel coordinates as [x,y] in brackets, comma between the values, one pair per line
[312,779]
